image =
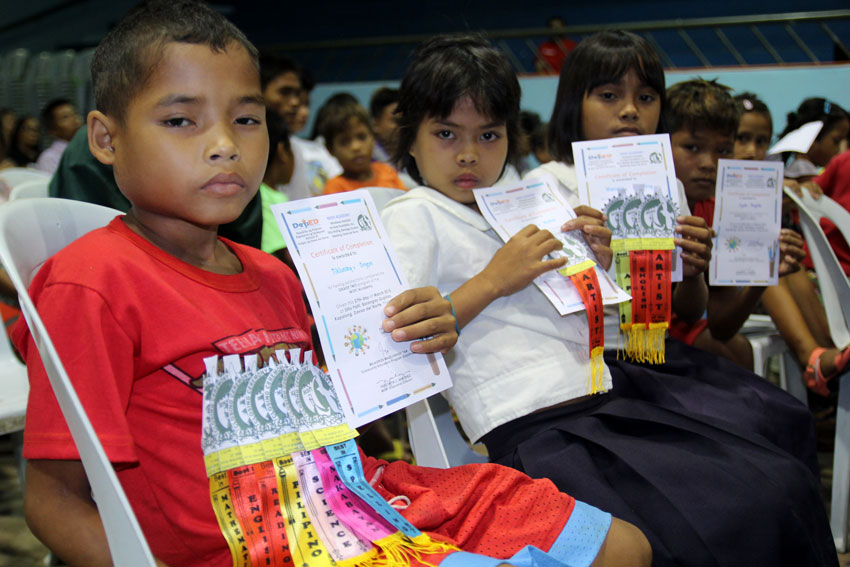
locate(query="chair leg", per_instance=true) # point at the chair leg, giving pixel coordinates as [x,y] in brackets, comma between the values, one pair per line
[794,384]
[841,467]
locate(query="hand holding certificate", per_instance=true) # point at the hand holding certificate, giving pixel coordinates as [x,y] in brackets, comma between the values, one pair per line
[349,272]
[747,215]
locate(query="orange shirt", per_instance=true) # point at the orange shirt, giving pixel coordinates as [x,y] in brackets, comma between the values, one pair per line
[383,175]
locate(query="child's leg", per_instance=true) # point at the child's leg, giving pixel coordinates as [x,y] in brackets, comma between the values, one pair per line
[789,320]
[737,349]
[803,293]
[625,545]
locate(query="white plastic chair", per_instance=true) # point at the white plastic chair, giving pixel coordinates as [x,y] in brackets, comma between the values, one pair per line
[434,438]
[835,291]
[32,230]
[30,189]
[14,176]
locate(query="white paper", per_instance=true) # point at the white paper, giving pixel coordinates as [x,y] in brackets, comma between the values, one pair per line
[350,272]
[799,140]
[747,219]
[510,208]
[633,167]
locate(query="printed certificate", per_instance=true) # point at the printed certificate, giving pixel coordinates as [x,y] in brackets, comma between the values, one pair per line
[349,272]
[510,208]
[747,219]
[632,180]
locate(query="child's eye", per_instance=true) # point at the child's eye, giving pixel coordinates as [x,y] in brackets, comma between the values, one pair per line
[743,138]
[607,95]
[647,97]
[489,136]
[177,122]
[247,121]
[445,134]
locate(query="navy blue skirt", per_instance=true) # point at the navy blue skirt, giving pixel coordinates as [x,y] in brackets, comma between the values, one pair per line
[707,487]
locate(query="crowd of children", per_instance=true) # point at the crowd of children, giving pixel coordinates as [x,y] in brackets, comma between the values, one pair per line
[692,461]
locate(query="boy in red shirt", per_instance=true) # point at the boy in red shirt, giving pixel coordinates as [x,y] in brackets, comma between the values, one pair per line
[135,307]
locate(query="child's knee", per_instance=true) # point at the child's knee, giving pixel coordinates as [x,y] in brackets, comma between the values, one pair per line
[625,545]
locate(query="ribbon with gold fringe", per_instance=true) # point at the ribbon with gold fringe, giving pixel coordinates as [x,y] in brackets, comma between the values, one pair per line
[587,284]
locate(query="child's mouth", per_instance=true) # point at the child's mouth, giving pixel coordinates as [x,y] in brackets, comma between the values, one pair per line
[466,181]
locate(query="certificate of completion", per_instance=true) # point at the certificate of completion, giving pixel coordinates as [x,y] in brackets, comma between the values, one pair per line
[747,219]
[632,180]
[349,273]
[510,208]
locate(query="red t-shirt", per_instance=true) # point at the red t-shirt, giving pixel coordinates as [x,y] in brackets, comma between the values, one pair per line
[835,182]
[383,175]
[554,53]
[132,326]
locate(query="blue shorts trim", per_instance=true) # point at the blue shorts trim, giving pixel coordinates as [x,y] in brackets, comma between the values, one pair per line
[576,546]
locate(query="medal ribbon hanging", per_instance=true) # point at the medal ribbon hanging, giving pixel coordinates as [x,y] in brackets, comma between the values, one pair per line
[587,284]
[624,281]
[275,505]
[659,303]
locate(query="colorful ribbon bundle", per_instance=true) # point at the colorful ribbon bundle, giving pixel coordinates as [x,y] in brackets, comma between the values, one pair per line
[286,481]
[581,269]
[643,230]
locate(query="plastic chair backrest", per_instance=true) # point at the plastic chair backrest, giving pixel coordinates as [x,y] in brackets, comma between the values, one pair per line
[32,230]
[14,176]
[834,287]
[434,437]
[30,189]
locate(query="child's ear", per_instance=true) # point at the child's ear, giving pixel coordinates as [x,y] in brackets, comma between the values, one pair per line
[101,130]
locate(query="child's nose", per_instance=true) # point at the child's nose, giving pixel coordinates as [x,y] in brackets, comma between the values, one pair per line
[222,146]
[629,110]
[467,157]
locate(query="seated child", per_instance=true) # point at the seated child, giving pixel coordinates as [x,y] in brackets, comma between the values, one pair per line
[827,144]
[347,132]
[703,122]
[520,370]
[793,305]
[135,307]
[62,121]
[382,107]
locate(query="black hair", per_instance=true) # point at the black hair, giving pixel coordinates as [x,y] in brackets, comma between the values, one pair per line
[337,99]
[446,69]
[533,127]
[278,134]
[273,66]
[13,151]
[598,60]
[337,118]
[749,102]
[813,109]
[699,104]
[47,118]
[128,55]
[381,99]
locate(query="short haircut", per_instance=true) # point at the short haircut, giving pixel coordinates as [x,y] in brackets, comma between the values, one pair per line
[47,117]
[381,99]
[337,99]
[446,69]
[749,102]
[813,109]
[698,104]
[273,66]
[337,119]
[278,134]
[533,127]
[128,55]
[602,58]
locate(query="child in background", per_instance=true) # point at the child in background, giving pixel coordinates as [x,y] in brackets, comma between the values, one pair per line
[835,182]
[827,144]
[279,168]
[347,132]
[382,107]
[703,123]
[793,305]
[133,309]
[520,369]
[23,150]
[61,120]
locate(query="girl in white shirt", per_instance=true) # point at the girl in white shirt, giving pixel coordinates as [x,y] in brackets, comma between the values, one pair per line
[702,492]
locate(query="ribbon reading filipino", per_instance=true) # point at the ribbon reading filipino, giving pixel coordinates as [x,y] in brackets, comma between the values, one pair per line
[643,221]
[286,481]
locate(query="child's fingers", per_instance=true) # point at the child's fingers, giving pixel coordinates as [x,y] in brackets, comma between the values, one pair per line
[424,328]
[440,343]
[419,304]
[410,297]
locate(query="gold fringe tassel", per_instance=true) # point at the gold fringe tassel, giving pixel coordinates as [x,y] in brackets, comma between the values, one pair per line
[597,369]
[655,342]
[397,550]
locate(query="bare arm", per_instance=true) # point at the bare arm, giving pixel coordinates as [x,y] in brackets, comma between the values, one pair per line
[61,513]
[690,296]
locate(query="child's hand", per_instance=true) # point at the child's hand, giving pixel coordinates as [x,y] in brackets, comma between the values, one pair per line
[421,313]
[598,236]
[521,259]
[696,244]
[791,251]
[797,187]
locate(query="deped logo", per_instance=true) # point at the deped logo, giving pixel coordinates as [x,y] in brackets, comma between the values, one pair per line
[305,223]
